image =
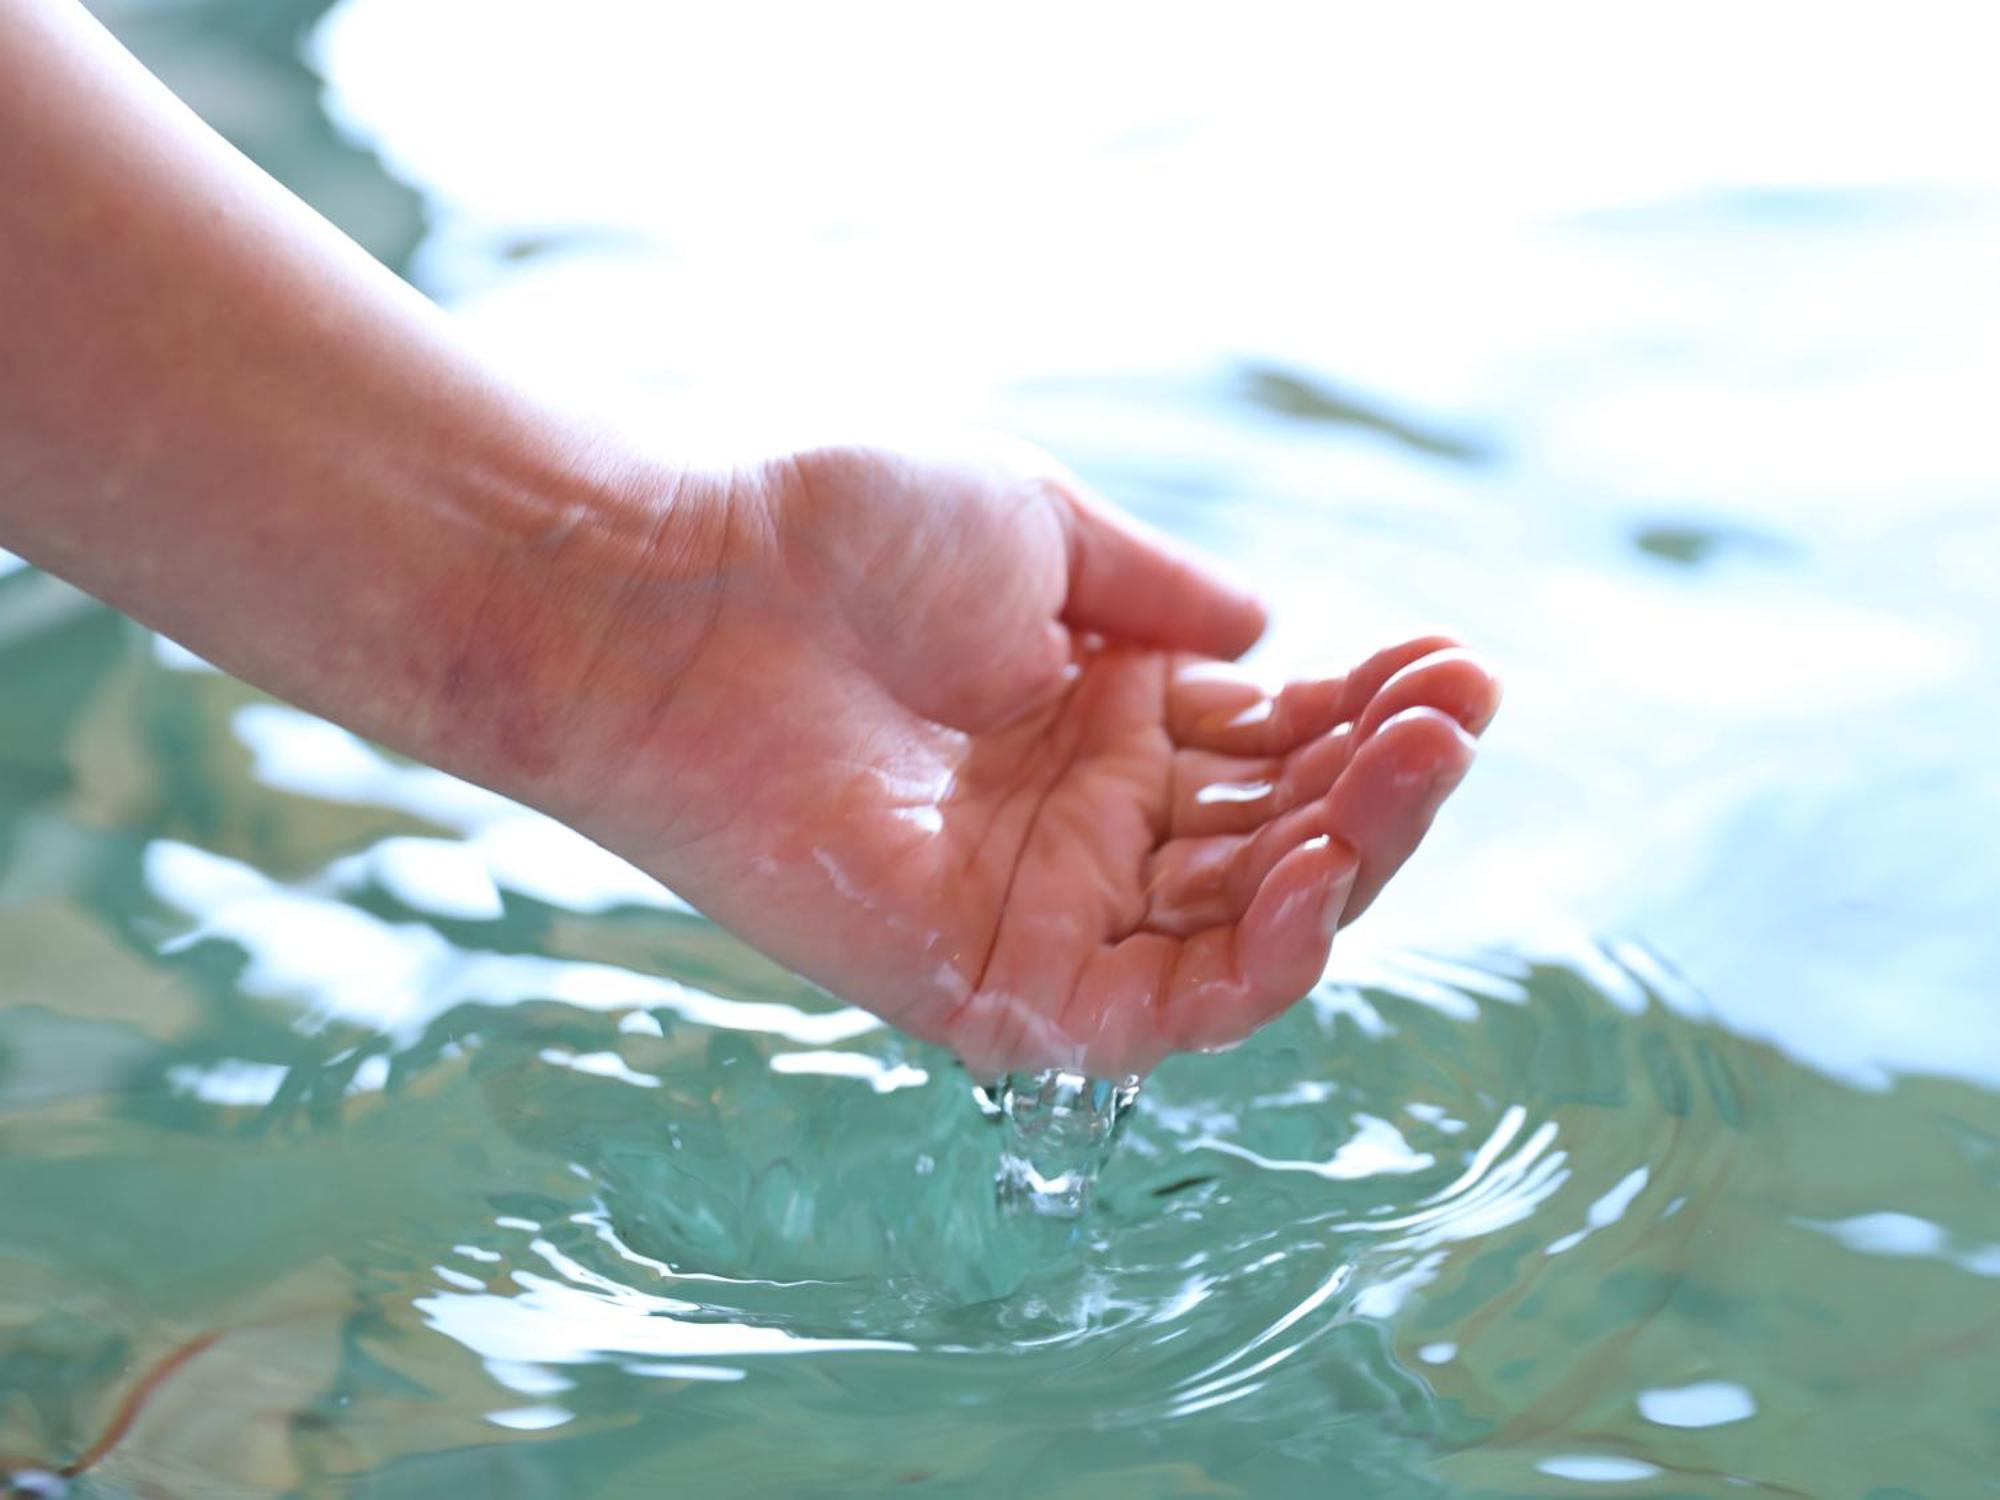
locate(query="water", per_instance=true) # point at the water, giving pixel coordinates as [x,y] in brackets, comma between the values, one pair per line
[1644,1141]
[1060,1129]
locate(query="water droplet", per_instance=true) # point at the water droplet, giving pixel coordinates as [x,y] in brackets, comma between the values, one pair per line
[1059,1130]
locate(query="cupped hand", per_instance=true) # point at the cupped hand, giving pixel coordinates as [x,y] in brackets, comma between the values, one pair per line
[962,745]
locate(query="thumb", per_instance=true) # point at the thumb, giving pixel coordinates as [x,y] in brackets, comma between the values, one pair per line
[1128,582]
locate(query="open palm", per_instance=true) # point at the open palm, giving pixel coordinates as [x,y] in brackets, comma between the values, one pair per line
[961,744]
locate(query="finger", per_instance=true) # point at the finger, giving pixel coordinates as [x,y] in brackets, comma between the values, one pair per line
[1120,997]
[1381,800]
[1219,794]
[1207,882]
[1213,706]
[1129,583]
[1384,802]
[1150,995]
[1216,794]
[1231,980]
[1454,682]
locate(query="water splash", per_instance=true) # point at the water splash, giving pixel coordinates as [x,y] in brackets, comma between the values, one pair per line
[1060,1128]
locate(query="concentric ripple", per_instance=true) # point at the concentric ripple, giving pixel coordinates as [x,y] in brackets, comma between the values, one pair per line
[482,1193]
[1506,1227]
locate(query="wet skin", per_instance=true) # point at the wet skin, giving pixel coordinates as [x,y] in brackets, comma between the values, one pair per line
[944,734]
[963,745]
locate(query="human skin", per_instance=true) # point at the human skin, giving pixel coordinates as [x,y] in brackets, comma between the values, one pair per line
[946,734]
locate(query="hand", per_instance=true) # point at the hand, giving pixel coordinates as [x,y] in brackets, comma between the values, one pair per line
[949,738]
[957,742]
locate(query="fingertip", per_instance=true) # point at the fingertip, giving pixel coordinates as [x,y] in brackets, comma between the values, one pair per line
[1242,619]
[1327,866]
[1220,616]
[1393,790]
[1428,730]
[1285,936]
[1483,721]
[1132,583]
[1454,681]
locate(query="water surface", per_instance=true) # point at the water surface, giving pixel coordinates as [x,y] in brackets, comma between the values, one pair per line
[1644,1141]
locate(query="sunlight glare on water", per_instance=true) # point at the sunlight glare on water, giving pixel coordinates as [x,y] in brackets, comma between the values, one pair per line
[1644,1140]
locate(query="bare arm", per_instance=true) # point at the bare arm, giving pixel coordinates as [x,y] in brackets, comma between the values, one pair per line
[219,413]
[947,735]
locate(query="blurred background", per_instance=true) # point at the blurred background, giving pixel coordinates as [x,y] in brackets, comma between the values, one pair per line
[1652,350]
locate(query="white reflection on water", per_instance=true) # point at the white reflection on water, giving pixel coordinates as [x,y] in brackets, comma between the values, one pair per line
[232,1083]
[1608,1209]
[342,963]
[1706,1403]
[557,1322]
[598,1065]
[1376,1149]
[1237,1374]
[531,1418]
[1498,1187]
[1766,325]
[880,1075]
[505,845]
[1595,1468]
[1901,1234]
[1049,202]
[440,876]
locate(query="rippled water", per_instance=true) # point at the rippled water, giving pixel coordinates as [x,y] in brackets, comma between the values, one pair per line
[1645,1141]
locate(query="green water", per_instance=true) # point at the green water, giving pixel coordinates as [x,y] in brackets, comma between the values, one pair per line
[1644,1141]
[520,1200]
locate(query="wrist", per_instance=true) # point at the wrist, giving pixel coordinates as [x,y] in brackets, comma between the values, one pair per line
[585,602]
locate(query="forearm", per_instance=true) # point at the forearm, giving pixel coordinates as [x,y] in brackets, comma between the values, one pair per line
[219,414]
